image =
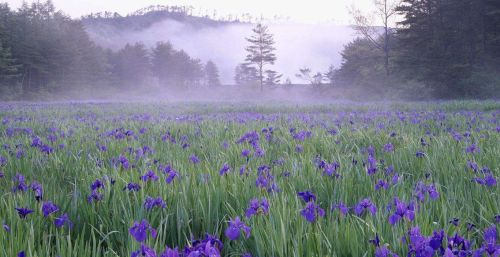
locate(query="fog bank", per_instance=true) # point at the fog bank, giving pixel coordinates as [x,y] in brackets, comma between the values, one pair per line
[298,45]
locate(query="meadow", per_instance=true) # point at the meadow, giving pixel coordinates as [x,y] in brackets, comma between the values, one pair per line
[343,179]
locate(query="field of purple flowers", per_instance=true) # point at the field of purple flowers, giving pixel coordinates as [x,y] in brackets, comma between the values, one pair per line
[163,180]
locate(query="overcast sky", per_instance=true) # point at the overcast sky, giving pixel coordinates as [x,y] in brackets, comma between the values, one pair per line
[308,11]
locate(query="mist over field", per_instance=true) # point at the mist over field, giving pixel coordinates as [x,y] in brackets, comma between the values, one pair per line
[298,45]
[181,53]
[180,131]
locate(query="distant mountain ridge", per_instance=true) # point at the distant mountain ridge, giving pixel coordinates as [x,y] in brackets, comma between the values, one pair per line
[146,17]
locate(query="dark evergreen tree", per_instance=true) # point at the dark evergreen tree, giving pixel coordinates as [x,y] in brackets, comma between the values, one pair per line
[162,59]
[272,78]
[212,74]
[132,65]
[245,75]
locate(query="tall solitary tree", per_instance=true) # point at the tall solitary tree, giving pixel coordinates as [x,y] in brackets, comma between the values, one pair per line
[365,25]
[261,51]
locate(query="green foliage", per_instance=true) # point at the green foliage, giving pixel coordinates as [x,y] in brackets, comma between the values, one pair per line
[196,205]
[448,48]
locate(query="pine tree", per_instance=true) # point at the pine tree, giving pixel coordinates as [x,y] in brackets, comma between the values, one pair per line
[261,51]
[272,78]
[162,62]
[8,68]
[212,74]
[330,75]
[132,65]
[245,75]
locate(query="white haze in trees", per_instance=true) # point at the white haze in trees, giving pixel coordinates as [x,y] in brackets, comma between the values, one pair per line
[298,45]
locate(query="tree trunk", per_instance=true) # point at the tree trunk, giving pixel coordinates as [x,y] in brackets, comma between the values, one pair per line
[261,77]
[386,39]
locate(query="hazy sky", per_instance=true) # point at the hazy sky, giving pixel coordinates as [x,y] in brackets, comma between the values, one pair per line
[310,11]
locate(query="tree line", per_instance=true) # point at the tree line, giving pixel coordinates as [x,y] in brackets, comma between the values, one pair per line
[43,51]
[416,49]
[434,48]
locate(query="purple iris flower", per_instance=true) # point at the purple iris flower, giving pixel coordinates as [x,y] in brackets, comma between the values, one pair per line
[210,246]
[259,152]
[97,184]
[312,212]
[331,169]
[46,149]
[266,180]
[49,208]
[389,147]
[454,221]
[151,203]
[6,228]
[302,135]
[421,190]
[459,244]
[225,169]
[307,196]
[144,251]
[418,244]
[124,162]
[170,253]
[433,193]
[402,210]
[95,196]
[140,231]
[420,154]
[194,159]
[489,180]
[472,149]
[255,207]
[490,245]
[20,182]
[470,226]
[472,165]
[236,226]
[132,187]
[171,175]
[371,166]
[245,153]
[36,142]
[342,208]
[365,204]
[395,178]
[383,251]
[63,220]
[149,176]
[37,189]
[21,254]
[23,212]
[381,184]
[299,148]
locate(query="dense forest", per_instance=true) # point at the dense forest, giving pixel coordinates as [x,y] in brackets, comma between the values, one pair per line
[43,52]
[437,49]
